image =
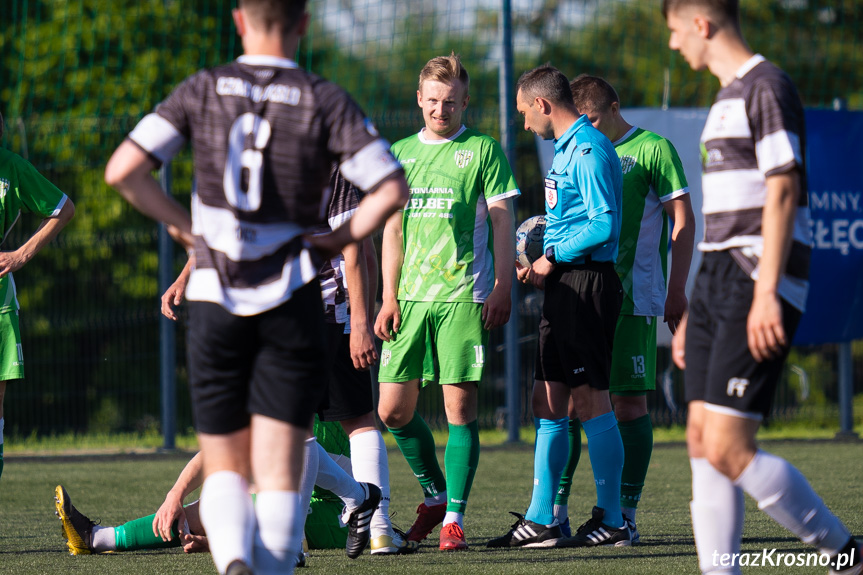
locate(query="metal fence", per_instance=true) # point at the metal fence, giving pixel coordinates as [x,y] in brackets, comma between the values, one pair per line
[77,75]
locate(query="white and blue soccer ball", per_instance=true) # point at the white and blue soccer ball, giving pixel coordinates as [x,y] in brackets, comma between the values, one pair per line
[528,240]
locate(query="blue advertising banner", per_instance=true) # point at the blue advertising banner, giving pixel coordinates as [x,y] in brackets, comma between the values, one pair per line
[834,312]
[834,160]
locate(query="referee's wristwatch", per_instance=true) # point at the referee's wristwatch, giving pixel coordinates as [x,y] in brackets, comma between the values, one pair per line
[549,255]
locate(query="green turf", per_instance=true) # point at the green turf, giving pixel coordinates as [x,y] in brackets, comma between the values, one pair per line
[115,489]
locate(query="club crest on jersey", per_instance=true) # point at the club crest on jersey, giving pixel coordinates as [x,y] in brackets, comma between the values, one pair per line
[463,158]
[627,163]
[4,187]
[550,193]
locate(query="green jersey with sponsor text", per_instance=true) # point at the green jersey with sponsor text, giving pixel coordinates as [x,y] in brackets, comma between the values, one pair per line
[22,189]
[652,174]
[448,254]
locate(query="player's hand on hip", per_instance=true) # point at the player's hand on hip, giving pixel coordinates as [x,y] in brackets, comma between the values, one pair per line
[389,320]
[678,344]
[497,308]
[765,333]
[363,351]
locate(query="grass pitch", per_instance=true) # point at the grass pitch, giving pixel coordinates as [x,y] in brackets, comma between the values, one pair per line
[119,488]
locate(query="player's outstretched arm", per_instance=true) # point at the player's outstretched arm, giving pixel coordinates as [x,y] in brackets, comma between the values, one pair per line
[173,296]
[47,231]
[496,309]
[682,241]
[172,509]
[362,344]
[129,172]
[392,258]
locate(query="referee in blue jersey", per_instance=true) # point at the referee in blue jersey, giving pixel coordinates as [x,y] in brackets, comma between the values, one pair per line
[583,296]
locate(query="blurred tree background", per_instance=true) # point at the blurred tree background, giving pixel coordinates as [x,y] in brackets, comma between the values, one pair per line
[77,75]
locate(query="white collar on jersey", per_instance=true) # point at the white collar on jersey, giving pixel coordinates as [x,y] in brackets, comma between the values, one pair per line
[626,135]
[426,140]
[262,60]
[750,63]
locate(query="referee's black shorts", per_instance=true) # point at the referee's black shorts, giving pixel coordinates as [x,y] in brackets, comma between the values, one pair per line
[576,330]
[274,364]
[720,368]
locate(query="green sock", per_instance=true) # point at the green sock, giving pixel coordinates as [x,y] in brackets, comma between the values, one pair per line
[562,496]
[637,436]
[461,459]
[416,443]
[138,534]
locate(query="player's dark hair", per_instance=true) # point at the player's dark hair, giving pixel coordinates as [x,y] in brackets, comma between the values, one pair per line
[547,82]
[590,93]
[446,69]
[284,14]
[722,12]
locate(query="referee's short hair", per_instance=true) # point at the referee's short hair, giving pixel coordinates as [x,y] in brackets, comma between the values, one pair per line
[592,93]
[546,82]
[285,14]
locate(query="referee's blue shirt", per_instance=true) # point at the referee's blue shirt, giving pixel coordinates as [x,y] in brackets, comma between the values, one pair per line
[585,181]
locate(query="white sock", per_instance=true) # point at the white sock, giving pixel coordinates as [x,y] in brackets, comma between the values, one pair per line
[561,512]
[278,538]
[369,464]
[784,494]
[438,499]
[103,539]
[332,477]
[228,517]
[310,473]
[342,461]
[717,516]
[454,517]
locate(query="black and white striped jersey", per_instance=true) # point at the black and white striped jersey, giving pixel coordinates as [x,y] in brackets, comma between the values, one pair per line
[755,129]
[265,135]
[334,289]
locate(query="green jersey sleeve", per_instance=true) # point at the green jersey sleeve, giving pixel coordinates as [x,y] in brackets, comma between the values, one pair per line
[668,177]
[498,180]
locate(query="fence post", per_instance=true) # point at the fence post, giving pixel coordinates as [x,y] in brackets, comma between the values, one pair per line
[507,140]
[167,329]
[846,392]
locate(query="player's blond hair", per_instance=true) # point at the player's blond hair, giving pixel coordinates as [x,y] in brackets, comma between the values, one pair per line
[445,69]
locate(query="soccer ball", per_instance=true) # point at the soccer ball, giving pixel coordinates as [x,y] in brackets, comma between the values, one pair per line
[528,240]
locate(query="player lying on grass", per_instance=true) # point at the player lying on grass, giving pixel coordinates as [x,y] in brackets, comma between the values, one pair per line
[178,525]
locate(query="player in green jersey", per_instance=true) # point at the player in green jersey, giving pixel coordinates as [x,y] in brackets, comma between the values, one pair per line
[654,189]
[447,273]
[22,189]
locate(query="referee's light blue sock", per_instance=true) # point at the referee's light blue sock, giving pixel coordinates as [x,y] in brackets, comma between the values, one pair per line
[551,452]
[606,457]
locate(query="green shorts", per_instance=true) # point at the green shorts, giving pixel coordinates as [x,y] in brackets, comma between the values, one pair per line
[633,357]
[449,334]
[11,356]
